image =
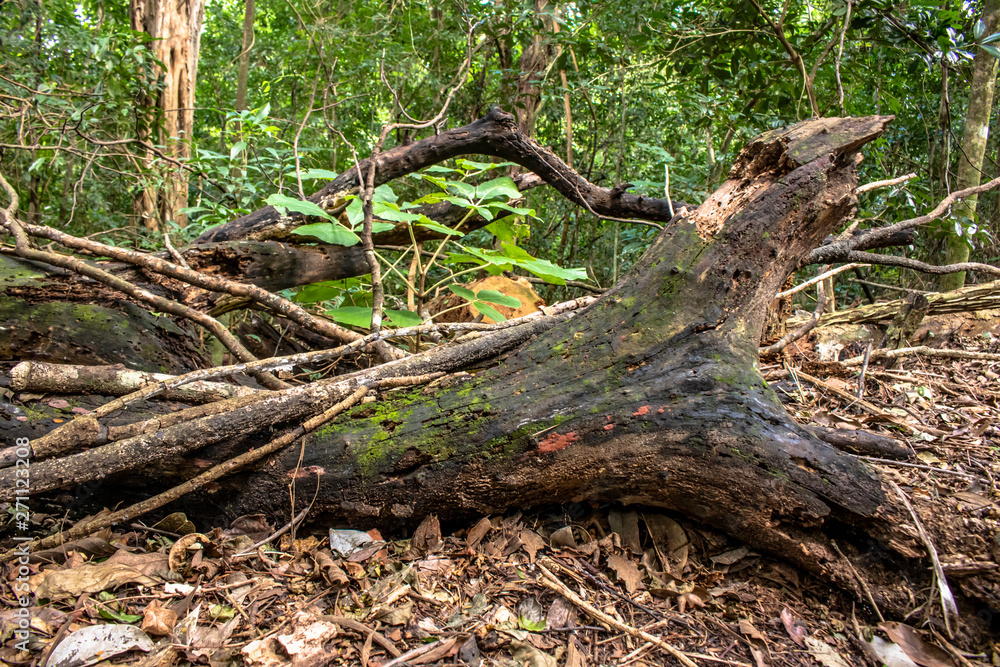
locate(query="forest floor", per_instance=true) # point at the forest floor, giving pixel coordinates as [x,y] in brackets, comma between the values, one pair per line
[575,585]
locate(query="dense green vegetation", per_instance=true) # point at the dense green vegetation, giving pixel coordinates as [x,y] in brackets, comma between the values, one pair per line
[650,85]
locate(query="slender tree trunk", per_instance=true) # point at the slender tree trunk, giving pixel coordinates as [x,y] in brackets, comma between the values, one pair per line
[977,130]
[248,39]
[176,25]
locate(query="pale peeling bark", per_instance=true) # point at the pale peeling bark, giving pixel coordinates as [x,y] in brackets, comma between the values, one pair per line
[176,25]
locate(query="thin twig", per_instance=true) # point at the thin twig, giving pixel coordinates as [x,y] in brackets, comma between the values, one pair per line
[884,184]
[948,606]
[549,580]
[818,279]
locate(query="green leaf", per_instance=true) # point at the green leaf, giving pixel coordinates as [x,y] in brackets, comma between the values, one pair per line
[262,113]
[403,318]
[317,293]
[353,316]
[237,148]
[990,49]
[493,296]
[460,201]
[392,212]
[355,213]
[281,203]
[437,227]
[503,230]
[485,212]
[434,180]
[463,292]
[531,626]
[991,38]
[513,209]
[384,193]
[379,227]
[463,189]
[498,187]
[331,232]
[121,617]
[979,29]
[314,174]
[438,169]
[489,311]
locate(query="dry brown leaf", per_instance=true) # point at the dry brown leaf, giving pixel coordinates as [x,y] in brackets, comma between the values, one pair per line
[89,578]
[477,532]
[921,652]
[731,556]
[670,540]
[563,538]
[427,536]
[575,656]
[626,525]
[627,572]
[531,542]
[796,628]
[561,614]
[331,571]
[824,653]
[158,620]
[747,628]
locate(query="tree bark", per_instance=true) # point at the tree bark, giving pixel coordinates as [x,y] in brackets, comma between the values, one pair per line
[244,60]
[176,27]
[970,160]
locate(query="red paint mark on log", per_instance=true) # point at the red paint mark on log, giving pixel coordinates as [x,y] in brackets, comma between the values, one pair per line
[644,410]
[308,471]
[609,427]
[608,416]
[660,411]
[553,442]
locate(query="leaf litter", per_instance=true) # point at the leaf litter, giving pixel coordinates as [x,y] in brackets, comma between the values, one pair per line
[576,586]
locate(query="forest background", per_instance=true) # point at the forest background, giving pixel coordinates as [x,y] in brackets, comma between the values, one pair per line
[103,103]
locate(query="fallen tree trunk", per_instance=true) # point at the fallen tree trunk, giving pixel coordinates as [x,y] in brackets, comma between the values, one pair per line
[649,396]
[973,297]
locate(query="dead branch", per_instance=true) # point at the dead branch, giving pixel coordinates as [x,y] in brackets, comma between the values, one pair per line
[924,351]
[279,305]
[867,187]
[38,376]
[24,249]
[496,135]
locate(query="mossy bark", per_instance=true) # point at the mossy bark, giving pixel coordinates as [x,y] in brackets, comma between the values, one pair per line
[47,316]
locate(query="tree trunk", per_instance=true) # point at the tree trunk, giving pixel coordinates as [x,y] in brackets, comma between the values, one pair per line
[176,27]
[248,38]
[970,160]
[649,396]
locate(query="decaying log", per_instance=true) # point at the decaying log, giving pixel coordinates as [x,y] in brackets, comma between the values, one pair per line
[66,319]
[967,299]
[649,396]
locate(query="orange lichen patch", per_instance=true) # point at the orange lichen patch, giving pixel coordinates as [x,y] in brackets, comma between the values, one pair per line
[608,416]
[553,442]
[644,410]
[609,427]
[660,411]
